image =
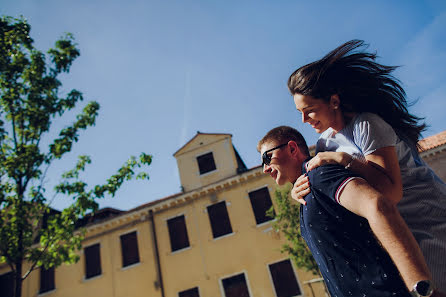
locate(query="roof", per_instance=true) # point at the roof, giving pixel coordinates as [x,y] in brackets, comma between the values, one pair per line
[198,134]
[98,216]
[433,141]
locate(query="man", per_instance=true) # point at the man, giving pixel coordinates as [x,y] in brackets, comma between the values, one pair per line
[359,240]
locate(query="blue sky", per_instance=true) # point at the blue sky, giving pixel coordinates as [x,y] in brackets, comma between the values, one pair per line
[163,70]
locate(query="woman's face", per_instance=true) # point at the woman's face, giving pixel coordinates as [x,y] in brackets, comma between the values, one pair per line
[320,114]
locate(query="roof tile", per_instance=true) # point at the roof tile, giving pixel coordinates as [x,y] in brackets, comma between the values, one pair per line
[432,141]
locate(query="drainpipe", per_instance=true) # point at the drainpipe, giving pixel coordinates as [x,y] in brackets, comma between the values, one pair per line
[157,256]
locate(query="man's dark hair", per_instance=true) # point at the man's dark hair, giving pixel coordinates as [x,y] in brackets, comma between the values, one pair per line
[283,134]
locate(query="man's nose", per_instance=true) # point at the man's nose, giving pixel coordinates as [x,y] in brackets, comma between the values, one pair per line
[266,168]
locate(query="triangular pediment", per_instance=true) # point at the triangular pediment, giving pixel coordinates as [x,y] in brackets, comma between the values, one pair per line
[200,140]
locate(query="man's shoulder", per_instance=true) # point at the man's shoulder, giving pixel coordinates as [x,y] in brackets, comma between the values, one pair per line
[328,178]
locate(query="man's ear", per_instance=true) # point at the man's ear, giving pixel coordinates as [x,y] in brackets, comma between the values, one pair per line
[296,151]
[294,148]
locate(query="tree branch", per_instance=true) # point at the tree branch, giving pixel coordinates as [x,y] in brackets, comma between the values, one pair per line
[33,266]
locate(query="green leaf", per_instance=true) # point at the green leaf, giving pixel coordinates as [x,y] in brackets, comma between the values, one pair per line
[30,99]
[287,215]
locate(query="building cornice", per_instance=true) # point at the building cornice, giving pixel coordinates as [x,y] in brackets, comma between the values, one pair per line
[140,214]
[433,151]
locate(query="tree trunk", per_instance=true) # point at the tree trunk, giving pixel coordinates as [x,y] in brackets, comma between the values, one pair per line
[18,280]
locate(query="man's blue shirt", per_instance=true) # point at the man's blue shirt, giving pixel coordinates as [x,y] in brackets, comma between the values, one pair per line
[350,258]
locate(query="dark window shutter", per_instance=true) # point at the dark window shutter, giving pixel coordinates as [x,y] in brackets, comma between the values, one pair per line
[219,218]
[206,163]
[284,279]
[189,293]
[260,202]
[178,233]
[46,280]
[236,286]
[92,261]
[129,248]
[7,284]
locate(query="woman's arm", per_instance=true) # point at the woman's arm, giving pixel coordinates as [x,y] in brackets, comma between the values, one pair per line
[389,228]
[381,170]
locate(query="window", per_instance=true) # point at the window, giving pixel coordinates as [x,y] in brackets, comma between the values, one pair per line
[129,248]
[218,216]
[260,202]
[7,284]
[206,163]
[46,280]
[92,261]
[284,279]
[189,293]
[235,286]
[178,233]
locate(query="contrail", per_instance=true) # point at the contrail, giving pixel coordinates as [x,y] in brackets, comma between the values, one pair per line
[186,108]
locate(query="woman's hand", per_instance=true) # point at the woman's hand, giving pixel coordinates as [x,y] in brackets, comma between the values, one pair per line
[300,189]
[324,158]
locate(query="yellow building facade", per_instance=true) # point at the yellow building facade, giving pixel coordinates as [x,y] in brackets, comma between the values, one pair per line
[213,239]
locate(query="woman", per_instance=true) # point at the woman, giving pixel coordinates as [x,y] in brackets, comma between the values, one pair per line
[360,110]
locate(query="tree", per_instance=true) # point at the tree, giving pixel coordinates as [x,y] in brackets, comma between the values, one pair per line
[30,100]
[288,222]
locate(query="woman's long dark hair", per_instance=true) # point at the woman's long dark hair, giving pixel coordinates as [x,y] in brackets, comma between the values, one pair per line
[361,84]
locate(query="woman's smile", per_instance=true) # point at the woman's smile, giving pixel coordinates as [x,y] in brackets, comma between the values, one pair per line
[318,113]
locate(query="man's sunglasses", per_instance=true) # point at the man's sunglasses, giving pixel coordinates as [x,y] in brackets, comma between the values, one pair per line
[266,159]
